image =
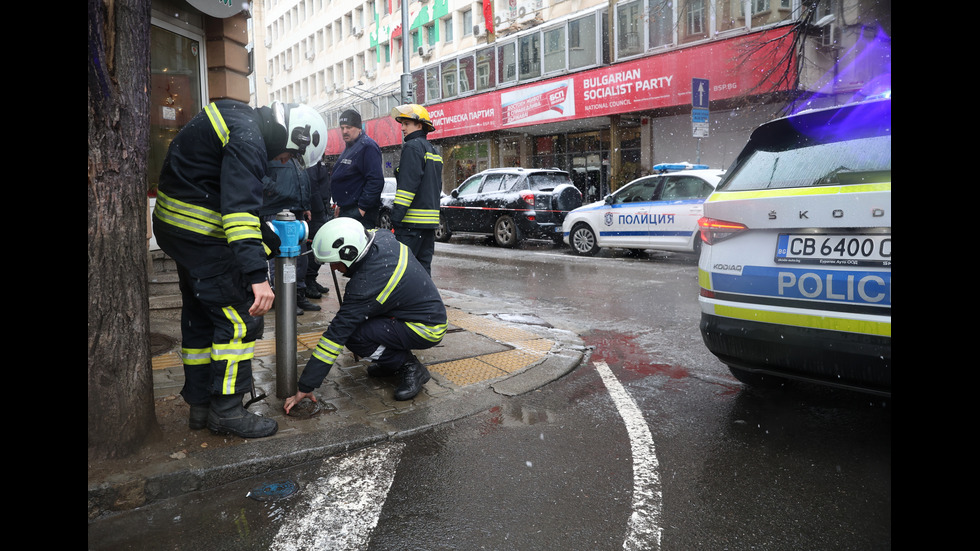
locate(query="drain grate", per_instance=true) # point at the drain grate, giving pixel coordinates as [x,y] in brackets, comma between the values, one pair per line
[273,490]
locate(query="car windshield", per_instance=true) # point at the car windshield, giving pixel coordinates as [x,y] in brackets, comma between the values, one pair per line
[860,161]
[539,182]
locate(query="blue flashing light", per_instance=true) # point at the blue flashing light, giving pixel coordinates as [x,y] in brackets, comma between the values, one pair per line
[665,167]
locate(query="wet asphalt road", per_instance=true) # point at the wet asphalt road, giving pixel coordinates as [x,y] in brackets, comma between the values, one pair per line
[738,468]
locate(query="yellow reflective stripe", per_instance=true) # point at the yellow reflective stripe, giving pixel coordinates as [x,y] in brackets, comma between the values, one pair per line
[187,216]
[396,276]
[218,122]
[433,333]
[234,352]
[422,216]
[704,278]
[327,351]
[433,157]
[864,327]
[195,356]
[404,198]
[797,191]
[241,225]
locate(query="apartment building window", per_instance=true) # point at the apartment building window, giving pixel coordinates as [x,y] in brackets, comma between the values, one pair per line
[447,28]
[432,83]
[694,20]
[467,74]
[582,42]
[430,34]
[507,63]
[416,40]
[760,6]
[418,86]
[662,22]
[554,49]
[485,65]
[629,28]
[530,55]
[449,79]
[468,23]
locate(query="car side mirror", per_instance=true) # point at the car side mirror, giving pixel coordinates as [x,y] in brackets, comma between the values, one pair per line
[455,193]
[609,199]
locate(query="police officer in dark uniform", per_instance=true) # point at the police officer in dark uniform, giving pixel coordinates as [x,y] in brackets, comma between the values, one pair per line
[206,219]
[390,307]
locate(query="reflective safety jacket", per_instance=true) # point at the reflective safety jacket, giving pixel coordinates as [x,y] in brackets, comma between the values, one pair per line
[210,189]
[419,177]
[387,282]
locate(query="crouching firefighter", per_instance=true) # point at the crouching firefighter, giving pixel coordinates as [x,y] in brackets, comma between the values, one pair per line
[206,220]
[390,307]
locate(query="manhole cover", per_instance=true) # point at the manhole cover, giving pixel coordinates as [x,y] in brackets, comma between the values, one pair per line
[273,490]
[308,408]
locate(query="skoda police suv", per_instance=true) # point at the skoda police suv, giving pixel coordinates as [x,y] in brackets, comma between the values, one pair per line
[795,268]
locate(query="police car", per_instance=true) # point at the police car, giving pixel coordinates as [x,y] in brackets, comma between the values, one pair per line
[652,212]
[795,269]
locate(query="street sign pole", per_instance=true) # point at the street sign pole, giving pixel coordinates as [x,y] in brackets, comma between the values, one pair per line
[699,110]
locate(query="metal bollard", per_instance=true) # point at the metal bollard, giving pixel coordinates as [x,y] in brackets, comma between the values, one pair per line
[291,232]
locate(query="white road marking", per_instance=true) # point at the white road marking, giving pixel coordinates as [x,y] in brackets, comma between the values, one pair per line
[644,523]
[344,503]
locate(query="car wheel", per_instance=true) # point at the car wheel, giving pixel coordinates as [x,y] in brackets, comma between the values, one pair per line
[384,220]
[583,240]
[442,232]
[505,232]
[697,245]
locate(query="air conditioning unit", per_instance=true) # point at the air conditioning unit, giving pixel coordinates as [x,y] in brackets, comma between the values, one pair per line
[369,73]
[310,54]
[829,35]
[268,80]
[479,30]
[268,42]
[425,52]
[287,66]
[357,32]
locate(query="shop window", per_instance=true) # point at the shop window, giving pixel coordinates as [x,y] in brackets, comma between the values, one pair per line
[176,93]
[418,85]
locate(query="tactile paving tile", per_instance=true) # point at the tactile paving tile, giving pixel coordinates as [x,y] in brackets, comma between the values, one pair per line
[512,360]
[163,361]
[466,372]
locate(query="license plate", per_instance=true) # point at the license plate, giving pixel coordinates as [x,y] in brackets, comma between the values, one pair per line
[835,249]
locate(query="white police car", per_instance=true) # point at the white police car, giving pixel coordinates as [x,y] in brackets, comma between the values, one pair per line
[653,212]
[795,270]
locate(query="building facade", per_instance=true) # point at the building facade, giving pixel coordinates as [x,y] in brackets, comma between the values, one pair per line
[602,88]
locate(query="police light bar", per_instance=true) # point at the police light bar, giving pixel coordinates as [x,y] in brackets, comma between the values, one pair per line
[664,167]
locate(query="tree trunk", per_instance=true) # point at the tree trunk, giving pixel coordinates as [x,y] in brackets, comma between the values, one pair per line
[120,383]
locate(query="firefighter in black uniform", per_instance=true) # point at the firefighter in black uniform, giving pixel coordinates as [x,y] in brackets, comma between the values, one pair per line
[206,219]
[415,215]
[390,308]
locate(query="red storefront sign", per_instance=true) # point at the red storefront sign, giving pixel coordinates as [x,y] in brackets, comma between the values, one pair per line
[650,82]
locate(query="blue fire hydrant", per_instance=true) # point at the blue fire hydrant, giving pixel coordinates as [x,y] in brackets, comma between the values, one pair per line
[291,233]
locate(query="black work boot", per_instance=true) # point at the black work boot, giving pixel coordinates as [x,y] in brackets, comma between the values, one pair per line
[375,370]
[312,292]
[304,303]
[199,416]
[227,416]
[413,375]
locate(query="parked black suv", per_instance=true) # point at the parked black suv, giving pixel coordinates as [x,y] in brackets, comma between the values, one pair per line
[511,204]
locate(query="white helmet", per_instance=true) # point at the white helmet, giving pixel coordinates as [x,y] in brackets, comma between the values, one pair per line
[306,131]
[341,240]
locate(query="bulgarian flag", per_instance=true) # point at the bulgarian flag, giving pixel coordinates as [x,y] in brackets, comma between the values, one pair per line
[488,15]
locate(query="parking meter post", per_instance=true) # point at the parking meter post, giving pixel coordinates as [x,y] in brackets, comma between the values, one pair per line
[291,233]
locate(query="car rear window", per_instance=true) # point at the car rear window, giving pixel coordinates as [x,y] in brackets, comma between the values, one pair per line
[547,181]
[835,147]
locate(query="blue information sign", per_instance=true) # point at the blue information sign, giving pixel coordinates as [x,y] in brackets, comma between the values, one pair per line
[699,93]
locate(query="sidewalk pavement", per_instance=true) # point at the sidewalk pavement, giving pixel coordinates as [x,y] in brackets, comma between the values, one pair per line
[491,351]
